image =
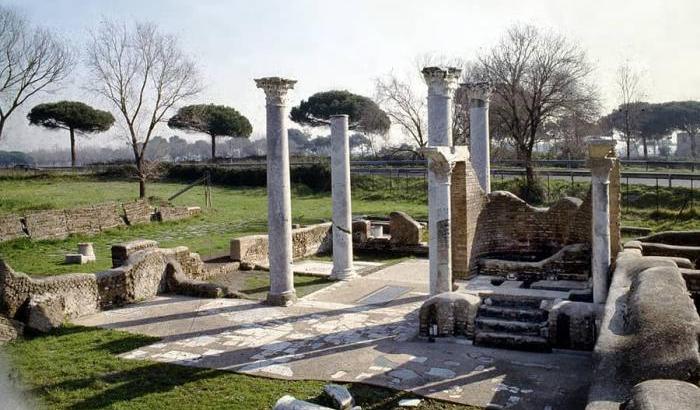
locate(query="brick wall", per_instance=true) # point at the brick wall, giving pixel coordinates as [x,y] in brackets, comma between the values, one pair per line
[615,211]
[467,200]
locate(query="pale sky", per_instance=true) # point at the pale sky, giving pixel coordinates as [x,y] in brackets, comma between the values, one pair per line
[341,44]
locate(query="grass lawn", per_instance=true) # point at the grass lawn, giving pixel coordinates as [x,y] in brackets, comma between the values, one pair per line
[77,368]
[235,212]
[243,211]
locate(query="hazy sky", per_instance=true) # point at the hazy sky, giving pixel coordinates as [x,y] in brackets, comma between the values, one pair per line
[326,44]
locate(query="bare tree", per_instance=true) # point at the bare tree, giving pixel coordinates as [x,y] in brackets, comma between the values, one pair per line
[31,60]
[538,77]
[144,74]
[406,109]
[630,94]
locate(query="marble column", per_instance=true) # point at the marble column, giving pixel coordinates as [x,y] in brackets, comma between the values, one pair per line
[442,83]
[479,95]
[279,202]
[601,159]
[342,211]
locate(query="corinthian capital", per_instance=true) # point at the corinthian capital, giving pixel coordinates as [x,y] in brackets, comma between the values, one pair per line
[601,157]
[479,91]
[441,81]
[275,88]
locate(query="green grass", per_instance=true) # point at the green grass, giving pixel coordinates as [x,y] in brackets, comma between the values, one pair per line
[77,368]
[235,212]
[243,211]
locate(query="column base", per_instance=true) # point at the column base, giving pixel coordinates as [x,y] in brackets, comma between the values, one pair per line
[282,299]
[343,274]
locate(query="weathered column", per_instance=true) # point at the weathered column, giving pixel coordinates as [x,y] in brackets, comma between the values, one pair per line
[442,83]
[601,158]
[342,213]
[279,201]
[479,95]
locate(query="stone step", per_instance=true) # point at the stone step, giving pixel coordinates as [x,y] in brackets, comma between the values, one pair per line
[509,326]
[513,301]
[513,313]
[512,341]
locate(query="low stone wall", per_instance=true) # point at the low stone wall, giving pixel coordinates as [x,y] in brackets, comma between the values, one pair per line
[176,213]
[140,277]
[11,228]
[137,212]
[88,220]
[46,224]
[306,241]
[649,329]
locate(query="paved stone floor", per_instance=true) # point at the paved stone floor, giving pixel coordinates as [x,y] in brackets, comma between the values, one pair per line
[362,330]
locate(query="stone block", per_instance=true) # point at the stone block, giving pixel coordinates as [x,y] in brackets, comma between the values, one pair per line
[404,229]
[75,259]
[341,397]
[11,228]
[454,313]
[306,241]
[46,312]
[290,403]
[10,329]
[86,249]
[572,325]
[122,251]
[360,230]
[173,213]
[663,395]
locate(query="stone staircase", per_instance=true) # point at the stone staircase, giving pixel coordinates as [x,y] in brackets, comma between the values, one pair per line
[512,322]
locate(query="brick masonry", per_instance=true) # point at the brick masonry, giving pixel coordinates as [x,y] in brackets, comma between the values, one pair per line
[502,223]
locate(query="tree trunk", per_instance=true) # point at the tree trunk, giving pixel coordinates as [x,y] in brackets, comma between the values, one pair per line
[72,147]
[2,125]
[142,177]
[646,149]
[213,148]
[142,186]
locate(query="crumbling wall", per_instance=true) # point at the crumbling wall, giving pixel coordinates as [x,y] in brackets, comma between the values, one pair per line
[141,276]
[11,227]
[47,224]
[137,212]
[508,225]
[306,241]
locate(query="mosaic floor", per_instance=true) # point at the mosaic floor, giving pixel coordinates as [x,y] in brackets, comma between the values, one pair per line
[362,330]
